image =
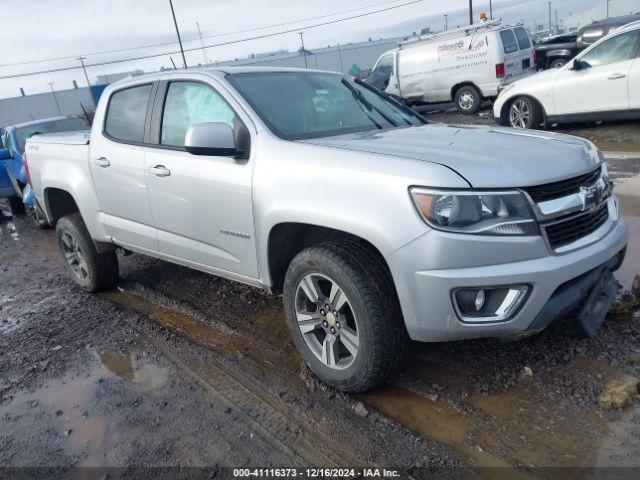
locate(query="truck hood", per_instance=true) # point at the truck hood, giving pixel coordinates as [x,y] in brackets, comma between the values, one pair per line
[487,157]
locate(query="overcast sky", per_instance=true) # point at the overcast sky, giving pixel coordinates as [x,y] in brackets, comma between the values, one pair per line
[50,29]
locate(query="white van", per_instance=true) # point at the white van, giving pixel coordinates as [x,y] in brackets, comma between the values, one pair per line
[465,65]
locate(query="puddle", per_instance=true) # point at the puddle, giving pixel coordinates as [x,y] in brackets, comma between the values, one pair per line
[263,337]
[516,427]
[187,326]
[433,420]
[69,403]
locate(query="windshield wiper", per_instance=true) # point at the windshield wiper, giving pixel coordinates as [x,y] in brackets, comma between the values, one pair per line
[357,94]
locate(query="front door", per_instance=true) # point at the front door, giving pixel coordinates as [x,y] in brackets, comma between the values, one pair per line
[602,82]
[201,205]
[118,168]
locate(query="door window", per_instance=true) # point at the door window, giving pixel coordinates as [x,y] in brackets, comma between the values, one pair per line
[188,103]
[523,38]
[509,41]
[617,49]
[126,114]
[387,63]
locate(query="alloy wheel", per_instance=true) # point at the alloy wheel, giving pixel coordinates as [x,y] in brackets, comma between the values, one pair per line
[520,114]
[326,320]
[73,256]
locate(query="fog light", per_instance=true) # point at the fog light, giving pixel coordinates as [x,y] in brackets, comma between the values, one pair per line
[489,304]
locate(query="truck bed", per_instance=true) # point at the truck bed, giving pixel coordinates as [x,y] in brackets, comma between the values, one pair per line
[66,138]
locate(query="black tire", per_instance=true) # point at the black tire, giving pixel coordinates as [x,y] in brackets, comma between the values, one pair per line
[468,100]
[365,280]
[16,205]
[534,118]
[101,269]
[558,63]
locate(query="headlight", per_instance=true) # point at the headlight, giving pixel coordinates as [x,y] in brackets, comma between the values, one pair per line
[472,212]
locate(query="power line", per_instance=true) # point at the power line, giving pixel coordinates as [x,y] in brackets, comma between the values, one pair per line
[230,42]
[164,44]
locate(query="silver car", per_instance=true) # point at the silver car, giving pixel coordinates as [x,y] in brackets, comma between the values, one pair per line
[375,225]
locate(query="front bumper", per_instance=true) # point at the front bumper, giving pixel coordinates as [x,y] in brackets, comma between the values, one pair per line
[428,269]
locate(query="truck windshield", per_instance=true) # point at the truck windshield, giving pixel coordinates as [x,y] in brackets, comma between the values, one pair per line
[303,105]
[54,126]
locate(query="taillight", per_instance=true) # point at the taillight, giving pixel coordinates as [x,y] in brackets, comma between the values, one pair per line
[500,72]
[26,168]
[535,57]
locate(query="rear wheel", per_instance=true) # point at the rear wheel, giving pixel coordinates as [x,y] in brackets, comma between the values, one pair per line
[468,100]
[558,63]
[524,113]
[343,314]
[91,270]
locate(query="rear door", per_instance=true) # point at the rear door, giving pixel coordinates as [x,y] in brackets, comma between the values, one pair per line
[117,163]
[518,56]
[202,205]
[602,85]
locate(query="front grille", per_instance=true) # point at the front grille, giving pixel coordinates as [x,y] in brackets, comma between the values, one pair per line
[574,227]
[551,191]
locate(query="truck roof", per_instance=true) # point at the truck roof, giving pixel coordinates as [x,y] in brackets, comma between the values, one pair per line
[215,72]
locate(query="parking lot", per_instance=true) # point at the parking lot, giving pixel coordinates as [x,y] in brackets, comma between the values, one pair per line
[176,367]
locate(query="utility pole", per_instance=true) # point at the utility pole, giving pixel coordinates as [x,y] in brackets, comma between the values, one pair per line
[204,52]
[55,98]
[608,8]
[446,22]
[490,10]
[175,22]
[340,54]
[550,24]
[84,69]
[470,12]
[304,51]
[557,24]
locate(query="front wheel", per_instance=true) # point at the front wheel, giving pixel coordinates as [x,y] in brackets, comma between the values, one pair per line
[524,113]
[468,100]
[343,314]
[91,270]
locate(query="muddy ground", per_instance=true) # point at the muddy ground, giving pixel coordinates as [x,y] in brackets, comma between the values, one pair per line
[178,368]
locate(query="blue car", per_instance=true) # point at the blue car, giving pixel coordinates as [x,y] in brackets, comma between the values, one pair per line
[13,175]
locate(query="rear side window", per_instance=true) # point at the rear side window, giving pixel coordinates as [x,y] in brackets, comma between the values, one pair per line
[509,41]
[523,38]
[126,114]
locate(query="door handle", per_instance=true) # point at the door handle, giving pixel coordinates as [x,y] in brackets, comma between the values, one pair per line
[102,162]
[616,76]
[160,171]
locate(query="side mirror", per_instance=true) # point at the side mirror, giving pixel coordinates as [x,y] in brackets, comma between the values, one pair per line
[580,65]
[211,138]
[5,154]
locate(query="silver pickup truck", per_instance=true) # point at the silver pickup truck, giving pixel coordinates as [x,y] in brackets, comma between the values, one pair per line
[375,225]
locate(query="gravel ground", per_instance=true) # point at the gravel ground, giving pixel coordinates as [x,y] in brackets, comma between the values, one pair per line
[176,367]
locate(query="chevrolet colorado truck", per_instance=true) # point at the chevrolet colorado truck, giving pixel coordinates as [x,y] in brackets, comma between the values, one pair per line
[375,225]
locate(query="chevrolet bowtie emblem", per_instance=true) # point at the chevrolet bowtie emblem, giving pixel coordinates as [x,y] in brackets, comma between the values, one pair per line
[588,195]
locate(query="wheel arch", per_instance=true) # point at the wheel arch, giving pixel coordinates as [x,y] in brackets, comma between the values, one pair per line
[59,203]
[466,83]
[287,239]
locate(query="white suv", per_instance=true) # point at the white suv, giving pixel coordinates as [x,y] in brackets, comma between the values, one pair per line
[601,83]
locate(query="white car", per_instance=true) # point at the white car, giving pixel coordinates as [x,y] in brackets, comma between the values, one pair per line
[601,83]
